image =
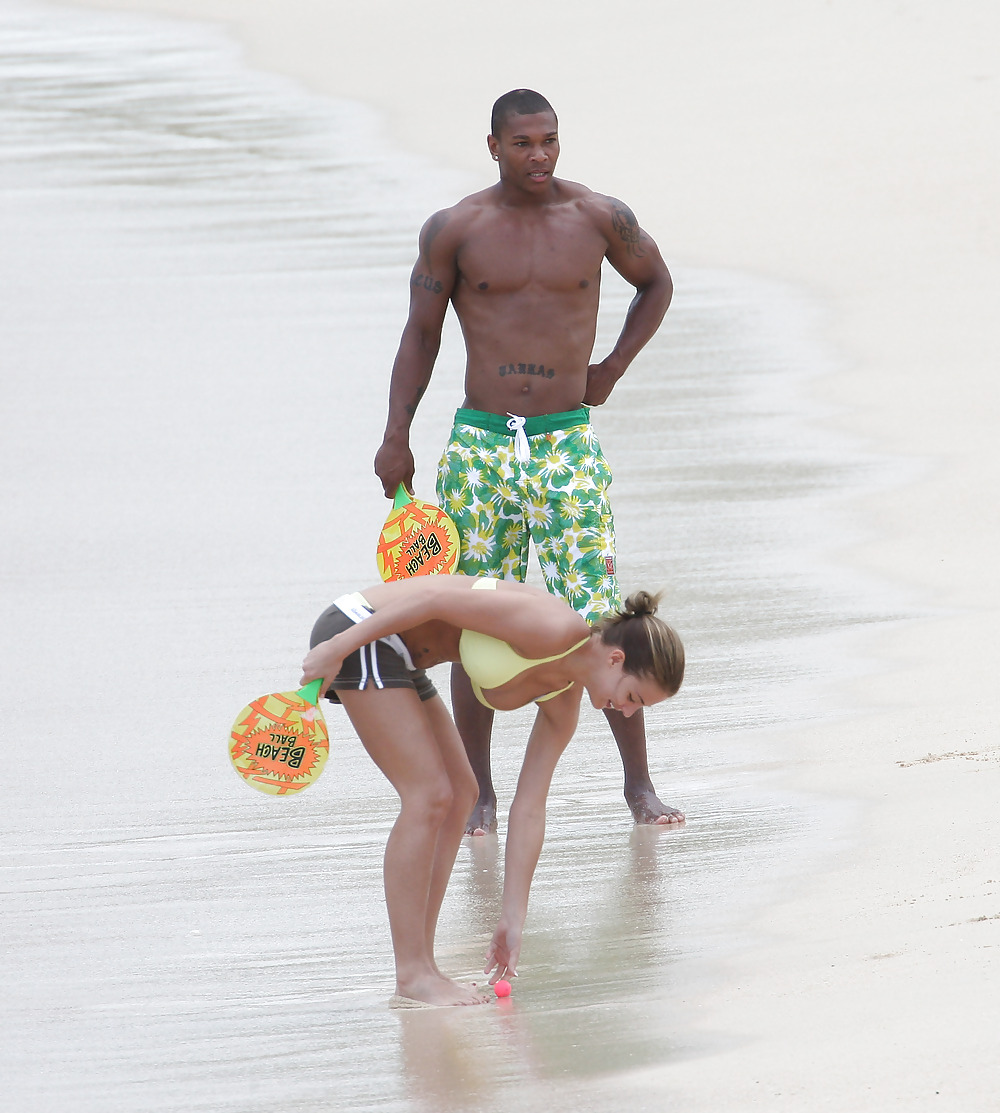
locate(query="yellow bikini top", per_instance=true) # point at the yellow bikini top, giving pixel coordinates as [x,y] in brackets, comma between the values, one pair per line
[491,663]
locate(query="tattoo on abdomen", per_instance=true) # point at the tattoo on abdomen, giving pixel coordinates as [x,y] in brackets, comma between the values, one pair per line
[526,369]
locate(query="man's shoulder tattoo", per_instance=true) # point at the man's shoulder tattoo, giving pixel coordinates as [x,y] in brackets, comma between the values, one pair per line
[624,223]
[431,230]
[425,280]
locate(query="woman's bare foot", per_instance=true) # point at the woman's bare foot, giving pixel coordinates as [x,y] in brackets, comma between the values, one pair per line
[436,989]
[647,808]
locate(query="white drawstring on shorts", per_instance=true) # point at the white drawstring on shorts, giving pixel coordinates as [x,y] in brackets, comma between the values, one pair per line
[522,451]
[357,610]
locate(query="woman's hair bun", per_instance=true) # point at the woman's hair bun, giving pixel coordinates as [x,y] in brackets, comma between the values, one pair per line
[651,647]
[639,604]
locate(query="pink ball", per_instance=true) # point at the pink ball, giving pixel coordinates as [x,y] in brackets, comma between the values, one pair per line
[501,988]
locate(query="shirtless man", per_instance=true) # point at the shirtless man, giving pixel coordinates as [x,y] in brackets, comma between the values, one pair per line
[521,264]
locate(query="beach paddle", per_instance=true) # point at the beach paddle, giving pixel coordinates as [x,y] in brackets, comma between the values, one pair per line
[279,743]
[418,539]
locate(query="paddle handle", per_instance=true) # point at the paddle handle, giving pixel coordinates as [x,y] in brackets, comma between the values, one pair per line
[310,691]
[403,497]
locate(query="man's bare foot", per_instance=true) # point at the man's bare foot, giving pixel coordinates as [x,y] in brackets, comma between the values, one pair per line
[646,807]
[435,989]
[483,820]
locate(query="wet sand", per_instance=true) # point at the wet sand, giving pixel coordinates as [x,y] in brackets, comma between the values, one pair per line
[824,931]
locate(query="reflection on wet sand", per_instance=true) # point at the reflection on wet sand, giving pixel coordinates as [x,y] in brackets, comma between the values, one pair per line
[443,1060]
[579,1017]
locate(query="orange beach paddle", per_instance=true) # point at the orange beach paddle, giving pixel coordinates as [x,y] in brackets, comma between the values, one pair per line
[279,743]
[418,539]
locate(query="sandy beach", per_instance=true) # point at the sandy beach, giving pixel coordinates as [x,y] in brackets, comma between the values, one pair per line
[845,150]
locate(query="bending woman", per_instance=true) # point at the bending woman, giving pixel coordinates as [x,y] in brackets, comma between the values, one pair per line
[519,645]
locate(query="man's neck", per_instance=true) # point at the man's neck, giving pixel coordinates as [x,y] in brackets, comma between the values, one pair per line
[513,196]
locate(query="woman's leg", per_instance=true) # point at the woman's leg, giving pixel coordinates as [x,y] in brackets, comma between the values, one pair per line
[415,751]
[464,793]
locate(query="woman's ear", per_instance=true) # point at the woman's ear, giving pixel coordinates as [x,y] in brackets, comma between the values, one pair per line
[617,655]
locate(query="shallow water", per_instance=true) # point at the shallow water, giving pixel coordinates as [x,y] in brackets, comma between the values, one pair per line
[203,283]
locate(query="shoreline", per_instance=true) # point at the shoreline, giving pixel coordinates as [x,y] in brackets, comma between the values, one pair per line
[867,984]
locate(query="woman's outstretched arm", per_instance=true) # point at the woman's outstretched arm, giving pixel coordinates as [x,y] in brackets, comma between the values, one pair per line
[554,726]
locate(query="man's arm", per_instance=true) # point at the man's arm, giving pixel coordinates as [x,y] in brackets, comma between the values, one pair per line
[431,285]
[637,259]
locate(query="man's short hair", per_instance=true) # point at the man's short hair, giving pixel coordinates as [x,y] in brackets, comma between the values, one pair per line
[518,102]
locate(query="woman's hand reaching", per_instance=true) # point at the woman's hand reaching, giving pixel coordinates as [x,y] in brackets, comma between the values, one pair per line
[503,952]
